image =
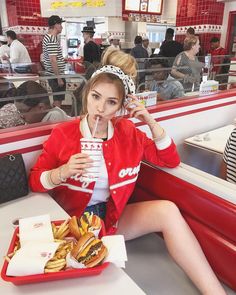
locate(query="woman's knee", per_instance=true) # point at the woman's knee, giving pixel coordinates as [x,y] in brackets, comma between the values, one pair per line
[168,209]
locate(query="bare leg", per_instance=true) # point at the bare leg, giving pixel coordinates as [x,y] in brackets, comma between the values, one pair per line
[155,216]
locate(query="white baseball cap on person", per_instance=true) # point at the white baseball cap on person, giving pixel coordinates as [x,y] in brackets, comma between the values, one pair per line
[113,37]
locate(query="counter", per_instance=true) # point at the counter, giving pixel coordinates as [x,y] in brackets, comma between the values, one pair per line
[213,140]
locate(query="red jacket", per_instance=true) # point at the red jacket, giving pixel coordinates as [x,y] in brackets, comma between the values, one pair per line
[122,153]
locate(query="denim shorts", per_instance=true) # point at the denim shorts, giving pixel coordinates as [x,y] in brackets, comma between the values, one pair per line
[97,209]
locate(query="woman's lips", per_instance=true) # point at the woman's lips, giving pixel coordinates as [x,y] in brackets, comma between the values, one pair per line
[98,116]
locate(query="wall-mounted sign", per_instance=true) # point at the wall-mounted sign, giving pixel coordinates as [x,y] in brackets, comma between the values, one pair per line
[142,6]
[77,4]
[78,8]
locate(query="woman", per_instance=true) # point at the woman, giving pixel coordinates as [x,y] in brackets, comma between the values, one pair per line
[228,165]
[61,166]
[35,106]
[186,65]
[9,115]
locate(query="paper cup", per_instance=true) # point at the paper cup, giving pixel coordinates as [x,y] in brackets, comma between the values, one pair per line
[93,148]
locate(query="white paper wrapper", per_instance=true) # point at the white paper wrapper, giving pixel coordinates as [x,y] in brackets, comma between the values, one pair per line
[72,262]
[31,259]
[116,252]
[37,229]
[37,246]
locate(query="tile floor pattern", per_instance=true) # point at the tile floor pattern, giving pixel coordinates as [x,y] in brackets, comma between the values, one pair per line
[154,271]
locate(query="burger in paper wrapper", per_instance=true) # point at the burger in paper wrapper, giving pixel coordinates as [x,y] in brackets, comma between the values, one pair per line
[89,250]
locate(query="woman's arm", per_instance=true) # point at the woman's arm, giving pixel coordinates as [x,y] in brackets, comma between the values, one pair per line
[174,71]
[178,75]
[138,110]
[161,150]
[223,170]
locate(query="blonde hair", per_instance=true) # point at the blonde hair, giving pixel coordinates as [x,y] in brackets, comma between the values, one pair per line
[120,59]
[189,42]
[102,77]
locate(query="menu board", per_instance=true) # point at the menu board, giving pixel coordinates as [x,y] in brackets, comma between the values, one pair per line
[143,6]
[154,6]
[132,5]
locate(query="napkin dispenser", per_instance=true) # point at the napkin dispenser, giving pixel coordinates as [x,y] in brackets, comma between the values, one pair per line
[148,98]
[208,87]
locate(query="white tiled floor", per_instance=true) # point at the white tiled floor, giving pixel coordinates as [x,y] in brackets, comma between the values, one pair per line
[151,267]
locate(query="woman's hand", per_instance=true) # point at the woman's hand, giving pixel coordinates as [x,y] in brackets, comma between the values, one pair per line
[77,164]
[137,109]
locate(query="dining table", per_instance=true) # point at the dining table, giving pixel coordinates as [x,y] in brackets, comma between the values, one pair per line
[112,280]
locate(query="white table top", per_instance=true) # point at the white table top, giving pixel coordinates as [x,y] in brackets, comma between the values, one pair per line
[111,281]
[214,140]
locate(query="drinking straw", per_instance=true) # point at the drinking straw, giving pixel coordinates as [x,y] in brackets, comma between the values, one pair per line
[193,87]
[95,127]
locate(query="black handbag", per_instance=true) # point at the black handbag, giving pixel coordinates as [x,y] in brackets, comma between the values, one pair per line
[13,178]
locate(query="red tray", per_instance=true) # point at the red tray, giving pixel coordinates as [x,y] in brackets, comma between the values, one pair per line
[61,275]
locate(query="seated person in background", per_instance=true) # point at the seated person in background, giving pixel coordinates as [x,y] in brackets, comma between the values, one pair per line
[228,166]
[9,115]
[37,109]
[165,85]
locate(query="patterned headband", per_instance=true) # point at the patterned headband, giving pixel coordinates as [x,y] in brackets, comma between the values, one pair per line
[127,81]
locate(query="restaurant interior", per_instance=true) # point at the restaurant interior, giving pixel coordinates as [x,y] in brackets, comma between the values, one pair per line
[200,122]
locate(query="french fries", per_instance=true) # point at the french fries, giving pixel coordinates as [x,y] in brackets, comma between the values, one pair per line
[61,231]
[55,265]
[10,255]
[58,262]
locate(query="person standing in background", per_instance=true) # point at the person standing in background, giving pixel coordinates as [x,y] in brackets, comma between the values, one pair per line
[186,65]
[169,47]
[80,50]
[91,49]
[18,52]
[146,45]
[114,42]
[190,32]
[53,60]
[4,48]
[140,53]
[218,54]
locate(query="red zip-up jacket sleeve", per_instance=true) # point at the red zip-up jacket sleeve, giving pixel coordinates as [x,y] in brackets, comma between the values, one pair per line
[48,160]
[167,157]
